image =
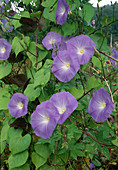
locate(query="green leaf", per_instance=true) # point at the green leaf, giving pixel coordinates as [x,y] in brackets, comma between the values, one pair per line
[4,132]
[92,148]
[16,46]
[50,15]
[76,93]
[32,49]
[48,3]
[46,167]
[16,23]
[2,146]
[105,152]
[64,156]
[68,29]
[43,75]
[26,1]
[42,150]
[14,132]
[41,78]
[36,14]
[37,160]
[24,167]
[87,12]
[104,46]
[32,93]
[93,82]
[115,142]
[5,70]
[17,159]
[4,98]
[25,14]
[18,143]
[96,162]
[96,62]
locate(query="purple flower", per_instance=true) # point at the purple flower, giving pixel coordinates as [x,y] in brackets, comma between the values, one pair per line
[92,166]
[101,105]
[65,104]
[51,38]
[44,119]
[18,105]
[81,47]
[93,22]
[6,1]
[115,55]
[65,66]
[62,12]
[5,49]
[9,29]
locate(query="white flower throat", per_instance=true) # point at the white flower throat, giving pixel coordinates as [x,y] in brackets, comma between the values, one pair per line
[2,50]
[20,105]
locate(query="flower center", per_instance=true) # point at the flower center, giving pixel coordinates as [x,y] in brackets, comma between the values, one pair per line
[62,10]
[3,50]
[52,41]
[47,119]
[61,110]
[103,105]
[67,65]
[20,105]
[81,51]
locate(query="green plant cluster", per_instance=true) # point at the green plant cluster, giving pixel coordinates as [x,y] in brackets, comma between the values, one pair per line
[80,140]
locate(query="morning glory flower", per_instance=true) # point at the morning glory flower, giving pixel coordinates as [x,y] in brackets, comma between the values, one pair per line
[51,39]
[62,12]
[18,105]
[115,55]
[65,104]
[101,105]
[64,66]
[44,119]
[81,47]
[5,49]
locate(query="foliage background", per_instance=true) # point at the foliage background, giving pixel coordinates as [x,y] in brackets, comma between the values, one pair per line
[80,140]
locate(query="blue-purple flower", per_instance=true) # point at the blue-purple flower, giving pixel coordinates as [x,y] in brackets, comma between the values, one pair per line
[81,47]
[115,55]
[101,105]
[62,12]
[65,104]
[65,66]
[5,49]
[92,166]
[6,27]
[18,105]
[44,119]
[51,39]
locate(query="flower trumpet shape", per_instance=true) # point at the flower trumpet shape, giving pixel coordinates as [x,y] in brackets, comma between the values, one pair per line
[5,49]
[65,104]
[44,119]
[81,47]
[101,105]
[51,39]
[18,105]
[62,12]
[64,66]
